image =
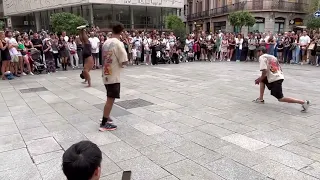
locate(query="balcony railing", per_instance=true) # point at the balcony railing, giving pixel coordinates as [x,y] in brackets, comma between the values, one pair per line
[253,5]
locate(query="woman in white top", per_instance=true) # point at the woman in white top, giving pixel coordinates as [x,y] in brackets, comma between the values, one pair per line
[72,46]
[239,41]
[146,44]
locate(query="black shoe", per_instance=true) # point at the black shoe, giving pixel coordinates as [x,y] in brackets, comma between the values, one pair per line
[107,127]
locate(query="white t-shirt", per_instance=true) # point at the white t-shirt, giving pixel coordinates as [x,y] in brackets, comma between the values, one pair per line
[13,50]
[271,64]
[137,42]
[114,54]
[304,40]
[94,41]
[239,42]
[66,38]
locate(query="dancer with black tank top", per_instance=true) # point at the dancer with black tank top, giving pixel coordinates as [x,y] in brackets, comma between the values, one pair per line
[5,55]
[86,53]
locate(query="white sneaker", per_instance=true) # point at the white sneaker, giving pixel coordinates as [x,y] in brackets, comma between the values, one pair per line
[317,65]
[31,73]
[237,60]
[23,73]
[305,106]
[228,60]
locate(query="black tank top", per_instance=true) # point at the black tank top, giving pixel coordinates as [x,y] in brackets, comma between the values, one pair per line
[5,54]
[27,45]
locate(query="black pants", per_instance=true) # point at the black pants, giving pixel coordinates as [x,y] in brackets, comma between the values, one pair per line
[197,55]
[251,54]
[56,58]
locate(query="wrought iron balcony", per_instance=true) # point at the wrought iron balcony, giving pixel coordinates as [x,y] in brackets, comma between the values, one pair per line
[253,6]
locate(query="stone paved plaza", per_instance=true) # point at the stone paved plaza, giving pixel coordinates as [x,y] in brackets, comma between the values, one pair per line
[185,121]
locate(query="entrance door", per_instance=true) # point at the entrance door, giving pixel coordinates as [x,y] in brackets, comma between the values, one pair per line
[208,27]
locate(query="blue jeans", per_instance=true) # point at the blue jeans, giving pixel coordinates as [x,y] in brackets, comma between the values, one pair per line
[271,49]
[296,55]
[318,59]
[238,53]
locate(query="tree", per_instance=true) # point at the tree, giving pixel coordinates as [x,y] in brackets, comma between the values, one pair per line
[313,6]
[174,23]
[313,23]
[241,18]
[66,22]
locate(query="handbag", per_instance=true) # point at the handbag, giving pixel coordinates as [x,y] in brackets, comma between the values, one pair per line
[311,46]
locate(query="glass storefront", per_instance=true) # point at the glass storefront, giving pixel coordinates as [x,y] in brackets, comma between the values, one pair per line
[136,17]
[259,26]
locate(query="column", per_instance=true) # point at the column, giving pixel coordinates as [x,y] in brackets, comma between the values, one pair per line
[91,15]
[131,18]
[37,21]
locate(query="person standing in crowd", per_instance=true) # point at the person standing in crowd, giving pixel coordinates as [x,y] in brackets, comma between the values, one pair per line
[154,46]
[37,43]
[13,45]
[5,55]
[210,52]
[137,43]
[86,53]
[79,50]
[102,40]
[72,47]
[25,57]
[271,44]
[287,53]
[63,52]
[253,42]
[47,50]
[95,42]
[224,48]
[115,58]
[196,49]
[245,49]
[295,48]
[22,53]
[272,77]
[232,46]
[239,41]
[280,48]
[55,49]
[304,42]
[317,50]
[146,44]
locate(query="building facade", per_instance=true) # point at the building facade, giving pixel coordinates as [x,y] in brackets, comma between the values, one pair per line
[134,14]
[275,16]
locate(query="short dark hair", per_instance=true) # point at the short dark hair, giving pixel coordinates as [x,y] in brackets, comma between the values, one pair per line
[81,160]
[117,28]
[263,49]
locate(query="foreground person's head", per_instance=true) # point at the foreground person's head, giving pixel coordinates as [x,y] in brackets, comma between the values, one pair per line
[117,29]
[82,161]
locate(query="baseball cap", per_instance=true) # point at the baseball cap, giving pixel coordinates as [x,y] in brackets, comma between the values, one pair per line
[262,48]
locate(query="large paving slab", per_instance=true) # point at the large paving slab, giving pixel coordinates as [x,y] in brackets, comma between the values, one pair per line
[185,121]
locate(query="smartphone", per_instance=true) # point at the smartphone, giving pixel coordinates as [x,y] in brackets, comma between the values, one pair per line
[126,175]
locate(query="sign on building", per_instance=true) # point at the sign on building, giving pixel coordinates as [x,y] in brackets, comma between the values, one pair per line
[9,23]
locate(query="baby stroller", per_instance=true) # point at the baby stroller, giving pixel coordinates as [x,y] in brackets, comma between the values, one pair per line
[164,55]
[38,64]
[190,56]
